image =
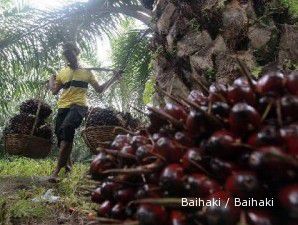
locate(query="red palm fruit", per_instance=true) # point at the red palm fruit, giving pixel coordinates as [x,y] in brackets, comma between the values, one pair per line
[223,214]
[200,124]
[243,184]
[243,82]
[217,92]
[252,140]
[124,195]
[221,143]
[221,168]
[177,218]
[128,150]
[120,141]
[263,104]
[108,189]
[260,217]
[118,211]
[101,163]
[157,136]
[191,159]
[143,151]
[141,132]
[273,164]
[148,191]
[288,198]
[200,186]
[169,150]
[197,97]
[156,122]
[289,108]
[237,93]
[153,178]
[183,139]
[289,135]
[130,210]
[171,179]
[220,109]
[176,111]
[105,209]
[268,135]
[271,83]
[138,141]
[244,119]
[149,214]
[96,196]
[292,83]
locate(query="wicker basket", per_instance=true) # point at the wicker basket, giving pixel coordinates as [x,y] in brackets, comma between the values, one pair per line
[101,136]
[27,145]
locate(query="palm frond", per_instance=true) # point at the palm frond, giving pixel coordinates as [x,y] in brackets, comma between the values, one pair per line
[131,51]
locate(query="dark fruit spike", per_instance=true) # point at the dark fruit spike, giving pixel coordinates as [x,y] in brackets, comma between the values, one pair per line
[245,71]
[196,107]
[150,168]
[267,110]
[278,112]
[120,154]
[158,88]
[168,117]
[200,168]
[205,90]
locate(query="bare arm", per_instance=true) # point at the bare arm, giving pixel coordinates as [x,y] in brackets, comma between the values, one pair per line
[54,86]
[101,88]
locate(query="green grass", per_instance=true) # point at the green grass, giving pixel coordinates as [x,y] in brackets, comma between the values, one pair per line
[19,204]
[293,5]
[15,166]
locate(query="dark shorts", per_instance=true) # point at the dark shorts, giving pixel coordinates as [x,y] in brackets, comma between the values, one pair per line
[67,121]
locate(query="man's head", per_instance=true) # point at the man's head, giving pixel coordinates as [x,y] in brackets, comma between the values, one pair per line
[71,52]
[71,47]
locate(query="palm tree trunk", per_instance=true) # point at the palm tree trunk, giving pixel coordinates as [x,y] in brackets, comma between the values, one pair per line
[204,39]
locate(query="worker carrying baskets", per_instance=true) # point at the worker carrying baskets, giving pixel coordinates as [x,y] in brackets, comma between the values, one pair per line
[73,81]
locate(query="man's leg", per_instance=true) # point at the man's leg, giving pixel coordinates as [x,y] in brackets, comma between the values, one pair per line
[72,121]
[68,166]
[64,154]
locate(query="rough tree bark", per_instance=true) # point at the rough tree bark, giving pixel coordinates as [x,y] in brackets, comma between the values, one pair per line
[204,39]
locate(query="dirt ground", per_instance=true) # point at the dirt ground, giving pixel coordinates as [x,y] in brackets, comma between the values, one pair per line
[59,213]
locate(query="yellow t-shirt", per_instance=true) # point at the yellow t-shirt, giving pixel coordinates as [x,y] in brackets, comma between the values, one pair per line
[75,85]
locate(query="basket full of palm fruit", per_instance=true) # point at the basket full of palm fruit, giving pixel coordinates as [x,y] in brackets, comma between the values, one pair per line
[225,157]
[27,134]
[103,125]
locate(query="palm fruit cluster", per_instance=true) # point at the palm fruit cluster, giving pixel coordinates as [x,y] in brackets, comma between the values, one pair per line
[129,121]
[236,143]
[110,117]
[23,122]
[30,107]
[102,117]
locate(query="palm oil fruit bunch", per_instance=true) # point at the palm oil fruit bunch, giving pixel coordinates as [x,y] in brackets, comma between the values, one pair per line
[110,117]
[23,123]
[233,148]
[30,107]
[129,121]
[102,117]
[20,124]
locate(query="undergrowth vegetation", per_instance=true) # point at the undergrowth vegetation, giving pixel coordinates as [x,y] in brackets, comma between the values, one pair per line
[22,181]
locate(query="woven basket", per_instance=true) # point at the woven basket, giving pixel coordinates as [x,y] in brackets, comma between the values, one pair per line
[27,145]
[101,136]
